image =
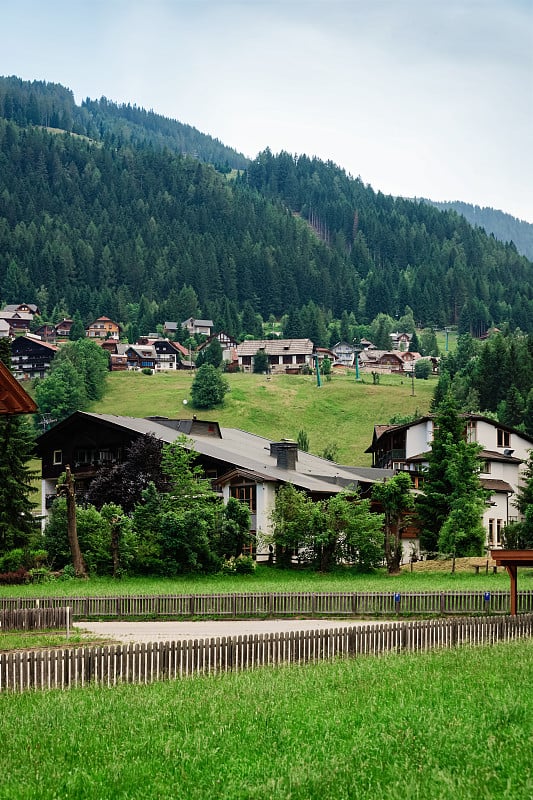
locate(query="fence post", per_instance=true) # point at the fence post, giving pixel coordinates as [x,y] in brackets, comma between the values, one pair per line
[397,601]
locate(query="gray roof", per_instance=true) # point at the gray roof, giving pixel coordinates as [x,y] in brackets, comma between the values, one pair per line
[275,347]
[251,452]
[16,315]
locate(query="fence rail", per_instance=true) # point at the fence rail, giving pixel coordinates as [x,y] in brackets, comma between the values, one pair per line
[33,619]
[279,604]
[146,663]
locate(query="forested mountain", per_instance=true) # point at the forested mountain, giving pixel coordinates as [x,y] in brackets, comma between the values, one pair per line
[115,221]
[505,227]
[404,252]
[52,105]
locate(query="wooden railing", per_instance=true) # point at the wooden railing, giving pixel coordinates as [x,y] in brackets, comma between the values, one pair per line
[280,604]
[145,663]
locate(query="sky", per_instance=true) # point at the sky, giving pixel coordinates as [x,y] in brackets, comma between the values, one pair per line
[420,98]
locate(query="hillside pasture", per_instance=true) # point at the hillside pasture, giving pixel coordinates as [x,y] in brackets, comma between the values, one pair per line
[342,412]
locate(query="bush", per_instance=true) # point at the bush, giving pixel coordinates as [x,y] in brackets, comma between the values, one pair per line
[422,370]
[146,371]
[13,578]
[13,560]
[242,565]
[245,565]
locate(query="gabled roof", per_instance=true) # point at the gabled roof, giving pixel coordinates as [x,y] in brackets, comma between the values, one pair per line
[198,323]
[20,342]
[16,306]
[275,347]
[22,315]
[381,430]
[13,398]
[243,450]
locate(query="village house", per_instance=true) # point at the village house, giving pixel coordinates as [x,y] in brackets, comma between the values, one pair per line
[344,354]
[31,357]
[284,355]
[397,361]
[238,464]
[104,328]
[227,343]
[18,321]
[63,328]
[5,329]
[203,327]
[400,341]
[405,448]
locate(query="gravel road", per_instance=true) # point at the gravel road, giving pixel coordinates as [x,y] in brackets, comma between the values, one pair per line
[172,631]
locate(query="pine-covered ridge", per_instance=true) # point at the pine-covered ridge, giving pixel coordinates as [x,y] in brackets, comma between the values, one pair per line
[53,106]
[115,222]
[503,226]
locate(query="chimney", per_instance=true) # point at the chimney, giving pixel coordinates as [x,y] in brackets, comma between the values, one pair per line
[286,454]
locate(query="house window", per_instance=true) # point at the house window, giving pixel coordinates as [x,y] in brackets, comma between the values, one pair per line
[58,456]
[499,528]
[246,493]
[491,531]
[504,438]
[486,467]
[471,430]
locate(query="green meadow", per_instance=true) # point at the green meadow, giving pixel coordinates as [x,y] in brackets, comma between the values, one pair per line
[449,725]
[268,579]
[341,412]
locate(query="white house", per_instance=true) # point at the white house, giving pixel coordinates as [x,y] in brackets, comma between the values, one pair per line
[405,447]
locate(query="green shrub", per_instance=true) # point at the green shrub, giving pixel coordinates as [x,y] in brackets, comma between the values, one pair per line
[147,371]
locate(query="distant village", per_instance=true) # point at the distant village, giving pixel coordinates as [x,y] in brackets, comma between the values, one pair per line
[34,347]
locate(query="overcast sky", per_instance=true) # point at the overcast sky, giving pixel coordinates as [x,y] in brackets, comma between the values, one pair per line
[421,98]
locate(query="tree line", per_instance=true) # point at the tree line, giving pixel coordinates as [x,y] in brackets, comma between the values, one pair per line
[135,230]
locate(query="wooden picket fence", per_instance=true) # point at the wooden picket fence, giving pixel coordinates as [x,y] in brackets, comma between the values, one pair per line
[145,663]
[34,619]
[279,604]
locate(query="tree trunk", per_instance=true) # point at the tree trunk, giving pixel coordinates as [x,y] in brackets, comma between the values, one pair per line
[77,558]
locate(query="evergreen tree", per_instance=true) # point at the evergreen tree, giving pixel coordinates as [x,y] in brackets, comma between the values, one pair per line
[16,477]
[450,484]
[208,387]
[77,330]
[261,363]
[394,497]
[414,344]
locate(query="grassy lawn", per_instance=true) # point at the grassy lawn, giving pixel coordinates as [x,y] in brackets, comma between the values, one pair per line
[40,640]
[451,725]
[340,412]
[268,579]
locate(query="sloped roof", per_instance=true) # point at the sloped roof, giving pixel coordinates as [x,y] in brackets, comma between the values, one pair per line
[13,398]
[245,451]
[275,347]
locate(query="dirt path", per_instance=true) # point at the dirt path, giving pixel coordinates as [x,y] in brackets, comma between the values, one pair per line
[172,631]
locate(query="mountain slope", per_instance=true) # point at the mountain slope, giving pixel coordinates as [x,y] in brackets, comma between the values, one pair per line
[114,221]
[503,226]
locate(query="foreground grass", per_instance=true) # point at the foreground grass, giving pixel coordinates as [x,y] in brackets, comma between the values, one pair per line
[268,579]
[43,640]
[451,725]
[342,412]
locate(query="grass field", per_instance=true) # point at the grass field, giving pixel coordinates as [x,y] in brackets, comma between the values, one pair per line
[449,725]
[342,411]
[267,579]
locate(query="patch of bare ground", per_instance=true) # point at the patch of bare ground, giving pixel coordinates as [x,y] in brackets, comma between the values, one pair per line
[445,565]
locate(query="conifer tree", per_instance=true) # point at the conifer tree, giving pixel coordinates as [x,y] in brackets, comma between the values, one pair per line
[16,449]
